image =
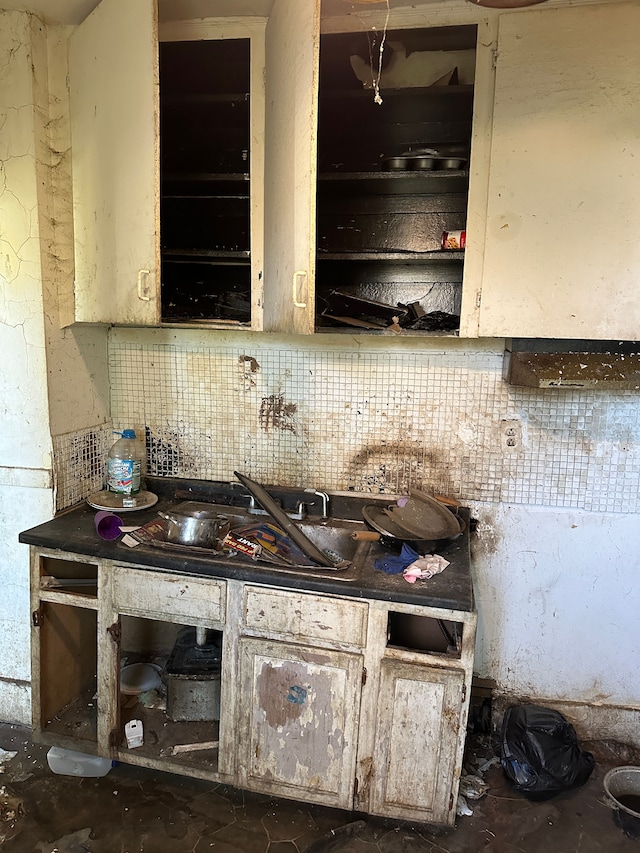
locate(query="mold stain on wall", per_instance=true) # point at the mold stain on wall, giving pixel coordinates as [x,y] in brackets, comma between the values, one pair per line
[277,413]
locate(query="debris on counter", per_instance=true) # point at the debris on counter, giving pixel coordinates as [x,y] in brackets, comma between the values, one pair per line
[394,564]
[425,568]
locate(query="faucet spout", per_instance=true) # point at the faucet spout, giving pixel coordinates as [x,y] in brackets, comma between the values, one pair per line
[325,501]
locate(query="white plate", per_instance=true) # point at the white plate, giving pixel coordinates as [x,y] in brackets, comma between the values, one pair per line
[139,677]
[111,500]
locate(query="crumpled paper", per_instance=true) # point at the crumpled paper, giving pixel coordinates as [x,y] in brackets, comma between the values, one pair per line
[425,568]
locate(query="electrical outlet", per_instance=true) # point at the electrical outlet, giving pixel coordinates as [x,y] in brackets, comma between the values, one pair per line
[510,434]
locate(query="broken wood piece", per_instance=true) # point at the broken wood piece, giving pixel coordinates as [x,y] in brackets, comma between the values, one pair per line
[194,747]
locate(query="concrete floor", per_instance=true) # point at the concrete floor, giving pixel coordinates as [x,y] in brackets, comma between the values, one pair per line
[133,810]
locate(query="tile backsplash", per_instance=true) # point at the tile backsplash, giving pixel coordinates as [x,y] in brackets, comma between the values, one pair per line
[370,418]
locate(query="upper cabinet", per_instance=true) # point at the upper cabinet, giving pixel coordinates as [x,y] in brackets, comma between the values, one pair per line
[114,122]
[168,147]
[394,144]
[562,253]
[248,172]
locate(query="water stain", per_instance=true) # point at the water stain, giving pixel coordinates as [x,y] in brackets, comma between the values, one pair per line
[248,366]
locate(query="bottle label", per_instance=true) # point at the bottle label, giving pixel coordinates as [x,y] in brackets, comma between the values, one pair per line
[123,476]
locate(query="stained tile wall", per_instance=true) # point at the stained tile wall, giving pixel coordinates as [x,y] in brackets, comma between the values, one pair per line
[366,419]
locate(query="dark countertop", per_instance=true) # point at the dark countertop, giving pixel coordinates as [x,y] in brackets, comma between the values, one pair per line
[73,531]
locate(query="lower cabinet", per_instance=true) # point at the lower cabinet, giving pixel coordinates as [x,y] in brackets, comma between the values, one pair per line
[348,702]
[417,739]
[299,712]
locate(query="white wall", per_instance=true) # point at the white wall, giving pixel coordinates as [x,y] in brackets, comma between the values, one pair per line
[25,443]
[37,358]
[557,597]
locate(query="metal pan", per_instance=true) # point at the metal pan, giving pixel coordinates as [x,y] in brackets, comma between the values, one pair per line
[393,535]
[423,517]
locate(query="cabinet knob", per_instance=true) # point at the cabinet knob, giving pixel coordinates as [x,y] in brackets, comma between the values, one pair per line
[297,276]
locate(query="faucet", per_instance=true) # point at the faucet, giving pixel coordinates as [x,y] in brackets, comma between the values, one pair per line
[325,502]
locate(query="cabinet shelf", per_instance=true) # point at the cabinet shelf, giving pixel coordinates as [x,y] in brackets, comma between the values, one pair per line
[205,177]
[440,256]
[205,256]
[414,182]
[410,94]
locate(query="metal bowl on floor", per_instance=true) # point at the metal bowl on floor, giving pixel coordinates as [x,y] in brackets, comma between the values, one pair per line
[622,787]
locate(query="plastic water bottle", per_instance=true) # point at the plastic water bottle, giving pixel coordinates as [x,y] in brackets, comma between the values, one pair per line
[67,762]
[124,464]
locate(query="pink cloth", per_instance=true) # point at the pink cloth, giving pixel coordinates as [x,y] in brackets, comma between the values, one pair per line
[425,568]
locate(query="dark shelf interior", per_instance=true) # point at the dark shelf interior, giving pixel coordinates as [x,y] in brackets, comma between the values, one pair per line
[205,183]
[379,232]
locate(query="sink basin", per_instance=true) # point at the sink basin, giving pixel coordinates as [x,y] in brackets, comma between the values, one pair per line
[332,536]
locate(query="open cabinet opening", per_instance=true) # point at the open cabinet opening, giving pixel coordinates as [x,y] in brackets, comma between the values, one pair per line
[205,181]
[68,684]
[169,691]
[424,634]
[394,139]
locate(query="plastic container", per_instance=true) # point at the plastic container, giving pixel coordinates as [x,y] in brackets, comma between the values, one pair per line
[124,464]
[67,762]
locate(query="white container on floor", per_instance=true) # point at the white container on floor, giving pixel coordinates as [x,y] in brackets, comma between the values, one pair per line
[67,762]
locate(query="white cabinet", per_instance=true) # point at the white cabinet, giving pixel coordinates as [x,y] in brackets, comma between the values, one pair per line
[562,251]
[292,45]
[421,710]
[299,711]
[552,248]
[146,232]
[113,78]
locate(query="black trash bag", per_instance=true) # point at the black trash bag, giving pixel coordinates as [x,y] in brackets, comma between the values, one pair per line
[540,753]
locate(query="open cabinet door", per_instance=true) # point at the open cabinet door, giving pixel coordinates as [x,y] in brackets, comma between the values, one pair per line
[113,73]
[292,54]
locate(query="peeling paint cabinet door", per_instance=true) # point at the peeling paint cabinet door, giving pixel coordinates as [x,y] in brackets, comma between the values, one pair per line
[113,78]
[292,54]
[417,741]
[299,711]
[562,250]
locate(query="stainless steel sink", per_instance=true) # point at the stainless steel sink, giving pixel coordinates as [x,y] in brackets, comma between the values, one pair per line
[332,536]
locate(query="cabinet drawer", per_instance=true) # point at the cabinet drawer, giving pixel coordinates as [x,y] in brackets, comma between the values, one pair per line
[154,594]
[305,617]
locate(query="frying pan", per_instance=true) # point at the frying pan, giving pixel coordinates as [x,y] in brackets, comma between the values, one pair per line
[392,535]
